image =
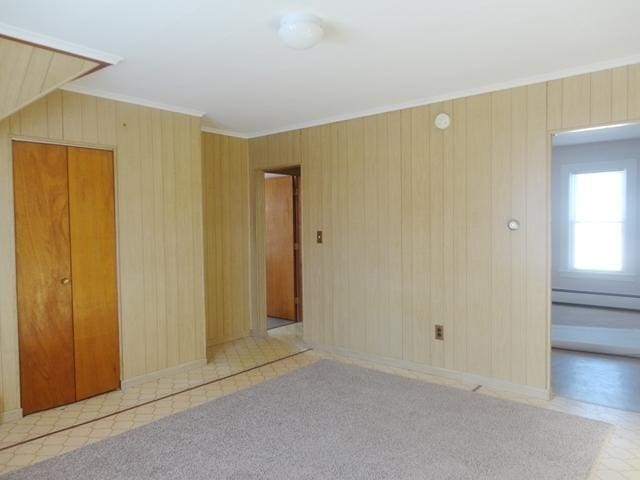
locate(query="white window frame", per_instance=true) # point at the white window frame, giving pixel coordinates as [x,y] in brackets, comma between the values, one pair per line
[628,272]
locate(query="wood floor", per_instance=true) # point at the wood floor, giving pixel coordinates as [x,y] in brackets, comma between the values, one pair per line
[607,380]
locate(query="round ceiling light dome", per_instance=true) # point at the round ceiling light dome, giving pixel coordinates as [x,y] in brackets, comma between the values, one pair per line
[300,30]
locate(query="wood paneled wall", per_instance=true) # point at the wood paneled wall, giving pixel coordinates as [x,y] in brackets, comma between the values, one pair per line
[414,222]
[226,232]
[28,72]
[159,227]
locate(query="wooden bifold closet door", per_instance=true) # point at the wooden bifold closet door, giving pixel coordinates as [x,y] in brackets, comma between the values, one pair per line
[66,274]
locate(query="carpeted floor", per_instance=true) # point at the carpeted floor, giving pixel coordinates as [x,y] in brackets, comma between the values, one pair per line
[342,422]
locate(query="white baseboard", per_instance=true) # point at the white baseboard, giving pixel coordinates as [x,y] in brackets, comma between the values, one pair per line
[11,415]
[463,377]
[613,341]
[130,382]
[611,301]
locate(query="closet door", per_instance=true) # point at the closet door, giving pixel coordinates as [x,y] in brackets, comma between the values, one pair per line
[279,225]
[93,261]
[45,325]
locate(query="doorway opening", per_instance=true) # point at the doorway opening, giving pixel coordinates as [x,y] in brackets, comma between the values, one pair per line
[595,278]
[283,250]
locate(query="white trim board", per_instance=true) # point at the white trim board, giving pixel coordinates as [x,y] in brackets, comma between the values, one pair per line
[467,378]
[613,341]
[57,44]
[587,299]
[124,384]
[94,92]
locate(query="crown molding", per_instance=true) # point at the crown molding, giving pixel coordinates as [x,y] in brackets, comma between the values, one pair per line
[52,43]
[495,87]
[71,87]
[221,131]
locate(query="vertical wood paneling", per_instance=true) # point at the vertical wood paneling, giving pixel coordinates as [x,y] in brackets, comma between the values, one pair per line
[196,204]
[170,237]
[150,147]
[375,303]
[341,291]
[226,220]
[501,314]
[538,171]
[449,173]
[27,73]
[457,330]
[518,288]
[600,97]
[619,93]
[633,92]
[158,238]
[356,235]
[311,140]
[435,265]
[10,385]
[420,223]
[149,262]
[408,326]
[479,226]
[130,218]
[416,219]
[576,104]
[72,116]
[554,100]
[327,160]
[392,178]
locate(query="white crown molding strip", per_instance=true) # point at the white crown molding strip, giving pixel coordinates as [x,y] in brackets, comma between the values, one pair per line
[228,133]
[72,87]
[495,87]
[57,44]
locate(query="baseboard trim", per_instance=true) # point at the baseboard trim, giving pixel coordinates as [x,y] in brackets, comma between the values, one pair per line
[211,342]
[610,341]
[463,377]
[11,415]
[596,300]
[162,373]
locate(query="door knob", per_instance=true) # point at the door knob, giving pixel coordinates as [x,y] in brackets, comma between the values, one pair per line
[65,281]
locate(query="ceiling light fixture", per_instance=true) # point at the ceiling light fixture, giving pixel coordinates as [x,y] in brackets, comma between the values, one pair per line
[300,30]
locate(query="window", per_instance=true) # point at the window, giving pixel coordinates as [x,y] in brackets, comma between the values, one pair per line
[598,214]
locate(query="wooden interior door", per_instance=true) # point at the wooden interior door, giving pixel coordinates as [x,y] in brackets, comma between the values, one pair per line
[93,265]
[43,262]
[279,224]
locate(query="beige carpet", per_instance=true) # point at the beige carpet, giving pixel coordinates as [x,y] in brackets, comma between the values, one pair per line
[334,421]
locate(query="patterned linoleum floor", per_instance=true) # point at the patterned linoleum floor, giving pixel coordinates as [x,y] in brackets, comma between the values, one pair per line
[619,460]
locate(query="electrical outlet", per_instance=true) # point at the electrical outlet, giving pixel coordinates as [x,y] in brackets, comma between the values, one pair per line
[439,332]
[319,236]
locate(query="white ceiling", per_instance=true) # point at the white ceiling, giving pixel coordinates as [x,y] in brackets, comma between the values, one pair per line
[223,57]
[629,131]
